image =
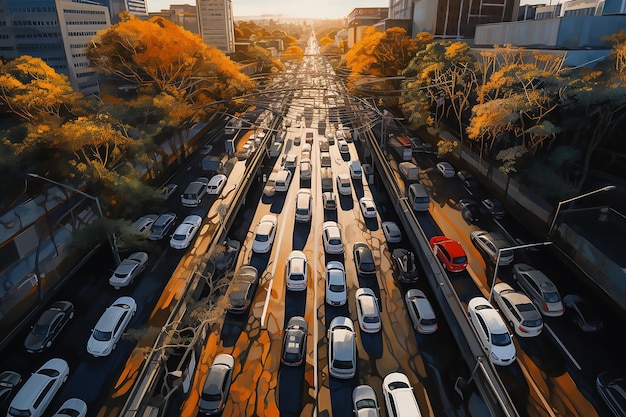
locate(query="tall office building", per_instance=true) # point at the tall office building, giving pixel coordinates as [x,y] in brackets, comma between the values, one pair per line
[56,31]
[217,26]
[134,7]
[184,15]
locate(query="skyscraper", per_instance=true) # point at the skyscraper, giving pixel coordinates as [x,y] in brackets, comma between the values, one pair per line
[217,26]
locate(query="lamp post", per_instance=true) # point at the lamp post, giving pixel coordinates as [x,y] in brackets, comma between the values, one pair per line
[511,248]
[116,255]
[558,208]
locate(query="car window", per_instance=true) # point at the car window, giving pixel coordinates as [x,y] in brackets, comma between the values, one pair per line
[43,394]
[119,322]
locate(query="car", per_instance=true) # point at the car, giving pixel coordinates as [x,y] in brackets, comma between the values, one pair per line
[490,243]
[304,206]
[143,224]
[161,226]
[9,381]
[491,331]
[367,310]
[344,187]
[356,171]
[226,256]
[109,328]
[446,169]
[392,232]
[328,200]
[206,149]
[342,144]
[195,191]
[242,288]
[48,326]
[494,207]
[612,388]
[342,355]
[399,396]
[297,271]
[298,139]
[363,259]
[404,266]
[420,311]
[216,184]
[467,179]
[540,289]
[73,407]
[364,402]
[520,312]
[305,169]
[185,232]
[449,252]
[217,385]
[290,161]
[336,290]
[128,270]
[269,189]
[167,191]
[36,394]
[325,160]
[294,341]
[305,152]
[331,236]
[265,233]
[368,208]
[470,210]
[583,313]
[416,144]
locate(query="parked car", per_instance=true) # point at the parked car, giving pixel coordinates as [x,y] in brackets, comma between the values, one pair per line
[328,200]
[494,207]
[404,266]
[297,271]
[242,288]
[336,290]
[491,331]
[9,381]
[37,393]
[612,388]
[449,252]
[368,207]
[470,210]
[467,179]
[489,243]
[73,407]
[399,396]
[217,385]
[583,313]
[367,310]
[363,259]
[265,233]
[109,328]
[161,226]
[446,169]
[518,310]
[128,270]
[294,341]
[364,402]
[216,184]
[392,232]
[331,237]
[185,232]
[540,289]
[342,354]
[48,326]
[144,223]
[421,311]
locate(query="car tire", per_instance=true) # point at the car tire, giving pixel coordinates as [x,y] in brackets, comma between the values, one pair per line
[71,315]
[64,379]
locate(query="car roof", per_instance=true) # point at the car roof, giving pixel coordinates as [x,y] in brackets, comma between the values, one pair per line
[490,315]
[163,218]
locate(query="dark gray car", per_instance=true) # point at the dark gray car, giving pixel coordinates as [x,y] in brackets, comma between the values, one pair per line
[404,266]
[217,385]
[294,341]
[49,325]
[242,288]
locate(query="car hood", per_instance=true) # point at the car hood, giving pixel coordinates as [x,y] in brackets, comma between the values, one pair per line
[98,348]
[34,342]
[118,281]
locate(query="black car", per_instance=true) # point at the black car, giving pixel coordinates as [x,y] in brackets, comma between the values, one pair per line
[583,313]
[294,341]
[494,207]
[9,380]
[227,256]
[612,388]
[470,210]
[49,325]
[242,288]
[217,385]
[404,266]
[363,259]
[467,179]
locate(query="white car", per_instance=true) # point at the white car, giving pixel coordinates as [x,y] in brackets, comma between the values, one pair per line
[290,161]
[297,271]
[356,171]
[128,270]
[364,402]
[304,206]
[343,184]
[491,331]
[38,391]
[185,232]
[305,169]
[421,311]
[367,310]
[331,236]
[109,328]
[368,208]
[341,348]
[399,395]
[265,233]
[518,309]
[74,407]
[216,184]
[392,232]
[446,169]
[336,291]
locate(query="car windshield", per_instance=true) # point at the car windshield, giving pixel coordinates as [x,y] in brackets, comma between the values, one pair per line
[460,260]
[500,339]
[211,397]
[179,237]
[337,287]
[302,211]
[337,364]
[532,323]
[296,277]
[18,413]
[102,336]
[551,297]
[40,329]
[370,319]
[366,403]
[261,238]
[429,322]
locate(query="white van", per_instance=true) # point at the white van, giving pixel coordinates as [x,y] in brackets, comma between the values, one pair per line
[192,196]
[418,197]
[283,179]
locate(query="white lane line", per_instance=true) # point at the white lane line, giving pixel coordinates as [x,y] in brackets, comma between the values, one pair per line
[569,355]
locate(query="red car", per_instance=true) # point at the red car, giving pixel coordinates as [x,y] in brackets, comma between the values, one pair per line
[449,252]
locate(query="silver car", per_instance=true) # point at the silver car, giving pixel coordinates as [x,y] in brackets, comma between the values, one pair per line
[217,385]
[341,348]
[489,243]
[364,402]
[518,310]
[540,289]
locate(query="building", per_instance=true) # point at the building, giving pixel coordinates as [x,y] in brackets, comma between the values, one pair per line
[217,26]
[361,18]
[56,31]
[184,15]
[135,7]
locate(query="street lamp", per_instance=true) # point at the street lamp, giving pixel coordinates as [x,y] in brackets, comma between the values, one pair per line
[511,248]
[558,208]
[116,255]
